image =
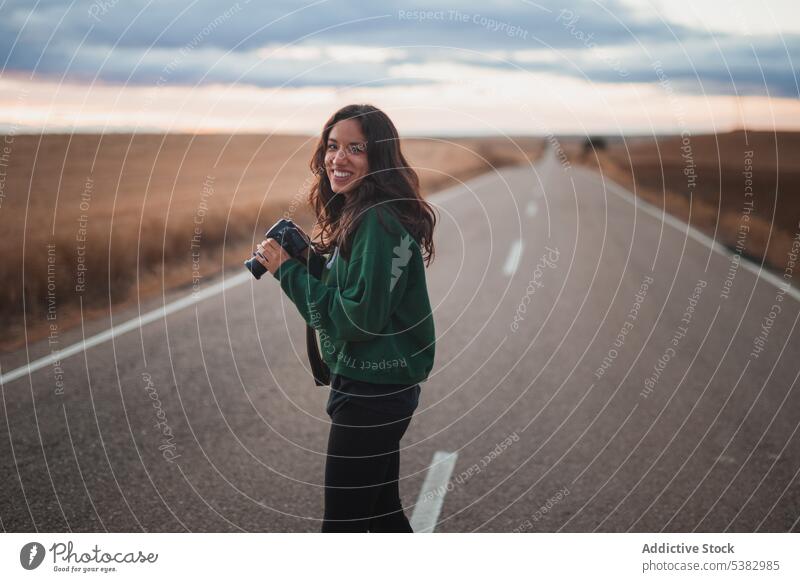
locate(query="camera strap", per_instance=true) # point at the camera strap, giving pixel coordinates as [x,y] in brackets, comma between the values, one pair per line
[320,370]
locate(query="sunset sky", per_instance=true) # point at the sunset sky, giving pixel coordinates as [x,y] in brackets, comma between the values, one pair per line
[446,68]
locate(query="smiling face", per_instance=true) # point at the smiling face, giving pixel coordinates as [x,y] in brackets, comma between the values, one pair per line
[346,155]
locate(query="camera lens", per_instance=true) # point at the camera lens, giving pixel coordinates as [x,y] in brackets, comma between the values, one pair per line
[256,268]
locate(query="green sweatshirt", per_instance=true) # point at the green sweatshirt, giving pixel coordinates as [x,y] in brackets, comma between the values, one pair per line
[372,313]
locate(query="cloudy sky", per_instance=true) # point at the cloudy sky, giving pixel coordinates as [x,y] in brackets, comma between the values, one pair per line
[465,67]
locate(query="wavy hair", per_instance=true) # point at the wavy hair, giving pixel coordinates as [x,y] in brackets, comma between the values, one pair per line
[389,183]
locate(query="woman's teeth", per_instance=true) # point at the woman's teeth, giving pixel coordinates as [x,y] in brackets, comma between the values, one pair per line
[338,174]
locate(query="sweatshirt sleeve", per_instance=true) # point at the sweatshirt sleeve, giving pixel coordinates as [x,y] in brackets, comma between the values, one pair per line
[358,308]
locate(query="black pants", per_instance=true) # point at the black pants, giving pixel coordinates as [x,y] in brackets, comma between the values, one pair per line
[362,471]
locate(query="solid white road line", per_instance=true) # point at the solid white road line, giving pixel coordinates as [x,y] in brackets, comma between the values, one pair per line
[439,197]
[434,488]
[189,300]
[512,260]
[129,325]
[691,231]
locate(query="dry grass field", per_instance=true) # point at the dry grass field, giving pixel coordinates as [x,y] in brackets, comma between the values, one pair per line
[90,222]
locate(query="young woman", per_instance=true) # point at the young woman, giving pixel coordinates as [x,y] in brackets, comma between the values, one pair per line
[370,308]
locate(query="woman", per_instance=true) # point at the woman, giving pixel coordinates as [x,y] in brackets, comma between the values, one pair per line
[370,308]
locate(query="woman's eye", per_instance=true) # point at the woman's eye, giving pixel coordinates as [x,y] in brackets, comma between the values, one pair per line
[331,146]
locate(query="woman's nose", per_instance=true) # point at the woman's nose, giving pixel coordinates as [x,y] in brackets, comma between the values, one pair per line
[339,151]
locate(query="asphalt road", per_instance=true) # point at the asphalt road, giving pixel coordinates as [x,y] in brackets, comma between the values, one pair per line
[686,428]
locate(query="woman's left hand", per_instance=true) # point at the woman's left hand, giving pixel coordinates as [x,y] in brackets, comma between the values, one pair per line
[270,254]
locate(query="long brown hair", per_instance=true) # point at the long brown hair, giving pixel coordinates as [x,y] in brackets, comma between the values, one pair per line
[389,184]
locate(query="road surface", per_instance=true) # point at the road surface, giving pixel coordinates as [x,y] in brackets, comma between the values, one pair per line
[597,369]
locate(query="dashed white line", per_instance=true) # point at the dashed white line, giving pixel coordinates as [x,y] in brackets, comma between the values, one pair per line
[434,488]
[531,208]
[512,260]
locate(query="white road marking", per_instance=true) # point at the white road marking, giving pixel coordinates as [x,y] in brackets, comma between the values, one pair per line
[129,325]
[512,261]
[454,191]
[531,208]
[187,301]
[680,225]
[431,497]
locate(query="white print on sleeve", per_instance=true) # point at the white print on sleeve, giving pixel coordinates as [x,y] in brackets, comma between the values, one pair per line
[402,256]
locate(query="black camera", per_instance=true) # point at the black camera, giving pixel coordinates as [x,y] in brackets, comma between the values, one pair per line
[286,233]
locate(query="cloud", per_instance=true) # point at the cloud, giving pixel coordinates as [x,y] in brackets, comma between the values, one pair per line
[339,43]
